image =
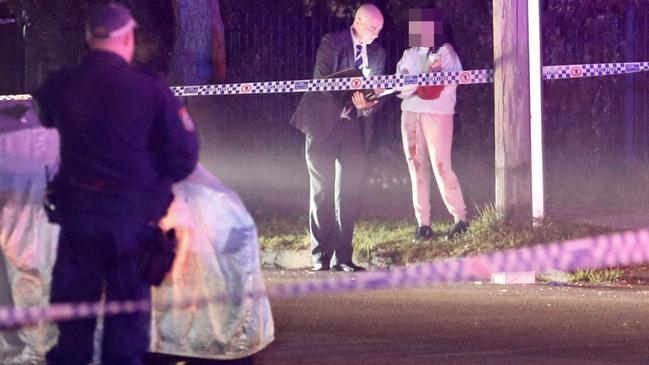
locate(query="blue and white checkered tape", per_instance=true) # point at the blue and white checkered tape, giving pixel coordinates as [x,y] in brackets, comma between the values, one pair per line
[15,97]
[338,84]
[482,76]
[594,69]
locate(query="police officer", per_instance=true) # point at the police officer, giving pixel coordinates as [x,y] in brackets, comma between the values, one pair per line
[125,139]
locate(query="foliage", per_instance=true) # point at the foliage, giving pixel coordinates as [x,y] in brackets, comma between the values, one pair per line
[282,232]
[391,237]
[597,276]
[489,233]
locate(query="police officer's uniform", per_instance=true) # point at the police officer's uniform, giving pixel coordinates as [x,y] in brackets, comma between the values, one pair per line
[125,139]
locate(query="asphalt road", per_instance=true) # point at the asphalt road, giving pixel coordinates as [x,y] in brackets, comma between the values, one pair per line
[461,324]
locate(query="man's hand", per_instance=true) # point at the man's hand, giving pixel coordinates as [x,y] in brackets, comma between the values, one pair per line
[361,103]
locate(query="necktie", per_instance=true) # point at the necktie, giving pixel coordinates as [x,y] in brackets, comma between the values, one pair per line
[350,111]
[358,56]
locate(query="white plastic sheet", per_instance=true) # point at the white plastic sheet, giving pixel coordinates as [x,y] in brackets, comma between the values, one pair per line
[218,255]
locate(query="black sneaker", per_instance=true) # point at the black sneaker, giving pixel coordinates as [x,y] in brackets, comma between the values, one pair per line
[423,233]
[457,229]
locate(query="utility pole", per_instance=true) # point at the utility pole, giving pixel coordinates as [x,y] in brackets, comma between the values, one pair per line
[512,109]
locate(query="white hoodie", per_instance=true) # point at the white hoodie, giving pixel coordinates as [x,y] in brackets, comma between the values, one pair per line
[415,61]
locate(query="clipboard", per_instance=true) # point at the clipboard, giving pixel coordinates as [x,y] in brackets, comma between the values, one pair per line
[370,95]
[345,96]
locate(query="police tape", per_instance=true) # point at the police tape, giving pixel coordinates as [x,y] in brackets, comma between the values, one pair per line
[401,81]
[482,76]
[606,251]
[18,97]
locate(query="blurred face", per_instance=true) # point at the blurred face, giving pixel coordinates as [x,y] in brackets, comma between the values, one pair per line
[425,28]
[422,33]
[367,27]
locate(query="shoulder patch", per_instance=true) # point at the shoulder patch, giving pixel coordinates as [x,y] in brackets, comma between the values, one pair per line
[184,116]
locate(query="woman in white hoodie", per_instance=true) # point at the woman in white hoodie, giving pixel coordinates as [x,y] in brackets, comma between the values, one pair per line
[427,121]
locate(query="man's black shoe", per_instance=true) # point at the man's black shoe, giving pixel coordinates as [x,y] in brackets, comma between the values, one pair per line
[319,266]
[457,229]
[347,267]
[423,233]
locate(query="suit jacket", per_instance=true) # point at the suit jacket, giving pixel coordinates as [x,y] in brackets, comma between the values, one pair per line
[319,112]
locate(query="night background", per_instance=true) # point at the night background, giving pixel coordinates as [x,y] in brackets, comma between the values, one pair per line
[595,129]
[596,152]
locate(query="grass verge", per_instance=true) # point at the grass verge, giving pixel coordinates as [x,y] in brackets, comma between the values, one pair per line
[392,239]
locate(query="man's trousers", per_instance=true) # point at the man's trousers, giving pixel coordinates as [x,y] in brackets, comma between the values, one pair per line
[336,167]
[99,255]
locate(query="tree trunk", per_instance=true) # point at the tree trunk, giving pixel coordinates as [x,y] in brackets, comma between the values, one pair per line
[512,109]
[199,47]
[218,43]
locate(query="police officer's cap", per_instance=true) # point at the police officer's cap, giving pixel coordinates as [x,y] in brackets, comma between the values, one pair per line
[108,21]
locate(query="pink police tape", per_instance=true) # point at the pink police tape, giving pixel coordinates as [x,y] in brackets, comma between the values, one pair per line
[614,250]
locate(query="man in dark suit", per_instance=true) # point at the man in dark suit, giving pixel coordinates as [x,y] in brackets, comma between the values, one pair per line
[337,134]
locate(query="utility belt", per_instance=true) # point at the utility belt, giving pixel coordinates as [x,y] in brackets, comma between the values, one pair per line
[57,186]
[158,252]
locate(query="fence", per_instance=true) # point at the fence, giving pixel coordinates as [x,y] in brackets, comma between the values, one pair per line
[588,123]
[272,47]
